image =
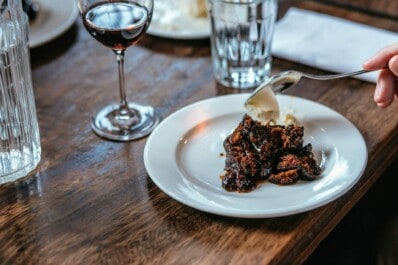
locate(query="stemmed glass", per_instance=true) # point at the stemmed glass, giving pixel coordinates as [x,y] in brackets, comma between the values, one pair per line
[119,24]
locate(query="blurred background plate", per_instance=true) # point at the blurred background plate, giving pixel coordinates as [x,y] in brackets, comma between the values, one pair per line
[53,19]
[175,22]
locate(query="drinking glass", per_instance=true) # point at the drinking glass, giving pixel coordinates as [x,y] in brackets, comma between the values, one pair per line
[20,149]
[241,40]
[119,25]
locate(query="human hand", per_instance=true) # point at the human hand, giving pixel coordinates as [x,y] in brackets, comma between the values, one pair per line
[387,84]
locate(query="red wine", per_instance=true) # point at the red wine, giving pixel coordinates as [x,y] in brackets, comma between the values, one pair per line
[117,25]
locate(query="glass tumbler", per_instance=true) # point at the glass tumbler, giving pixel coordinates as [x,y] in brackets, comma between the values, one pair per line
[20,149]
[241,38]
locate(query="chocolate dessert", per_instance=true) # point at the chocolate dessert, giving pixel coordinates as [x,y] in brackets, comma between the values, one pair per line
[256,152]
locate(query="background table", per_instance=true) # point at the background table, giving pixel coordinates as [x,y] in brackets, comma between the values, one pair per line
[90,201]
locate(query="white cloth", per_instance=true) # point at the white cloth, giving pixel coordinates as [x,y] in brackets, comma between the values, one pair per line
[327,42]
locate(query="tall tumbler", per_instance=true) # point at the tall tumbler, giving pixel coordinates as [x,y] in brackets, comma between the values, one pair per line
[20,148]
[241,38]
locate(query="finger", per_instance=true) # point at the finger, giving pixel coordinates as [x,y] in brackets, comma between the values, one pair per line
[381,58]
[385,89]
[393,65]
[396,88]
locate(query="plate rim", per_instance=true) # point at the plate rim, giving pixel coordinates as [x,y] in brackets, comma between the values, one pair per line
[239,213]
[184,35]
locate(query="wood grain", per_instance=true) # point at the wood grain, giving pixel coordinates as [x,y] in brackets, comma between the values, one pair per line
[90,201]
[379,8]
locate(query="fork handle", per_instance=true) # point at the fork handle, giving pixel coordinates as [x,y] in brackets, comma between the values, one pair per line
[328,77]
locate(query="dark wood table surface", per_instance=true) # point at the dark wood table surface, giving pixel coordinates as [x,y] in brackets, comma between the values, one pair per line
[91,201]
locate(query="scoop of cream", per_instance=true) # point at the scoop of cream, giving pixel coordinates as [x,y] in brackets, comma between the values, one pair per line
[263,106]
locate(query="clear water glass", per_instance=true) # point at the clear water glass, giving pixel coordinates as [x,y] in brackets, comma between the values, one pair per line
[241,38]
[20,149]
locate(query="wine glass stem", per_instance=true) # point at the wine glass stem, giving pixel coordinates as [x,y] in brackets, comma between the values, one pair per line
[122,88]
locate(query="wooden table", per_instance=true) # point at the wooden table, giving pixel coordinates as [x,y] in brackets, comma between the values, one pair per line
[90,201]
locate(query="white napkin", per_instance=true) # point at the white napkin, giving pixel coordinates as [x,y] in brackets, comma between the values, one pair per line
[327,42]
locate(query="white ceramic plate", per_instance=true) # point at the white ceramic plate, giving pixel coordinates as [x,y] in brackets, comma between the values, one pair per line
[182,157]
[168,22]
[53,19]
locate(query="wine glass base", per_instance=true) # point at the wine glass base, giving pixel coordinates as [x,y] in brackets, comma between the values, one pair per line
[110,124]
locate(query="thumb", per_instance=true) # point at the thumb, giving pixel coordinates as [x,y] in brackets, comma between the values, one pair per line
[393,65]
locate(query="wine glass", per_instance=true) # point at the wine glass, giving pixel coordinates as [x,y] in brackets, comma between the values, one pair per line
[119,24]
